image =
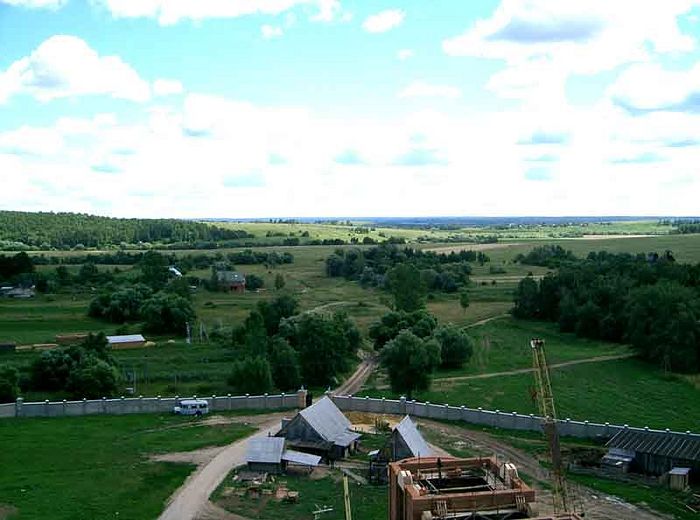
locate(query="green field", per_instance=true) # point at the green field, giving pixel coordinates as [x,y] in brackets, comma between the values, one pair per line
[97,466]
[367,501]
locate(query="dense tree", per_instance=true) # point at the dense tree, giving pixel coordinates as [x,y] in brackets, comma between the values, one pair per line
[12,266]
[251,375]
[154,270]
[255,336]
[456,347]
[167,313]
[9,383]
[253,282]
[92,378]
[279,281]
[527,300]
[325,345]
[406,287]
[275,310]
[421,323]
[284,362]
[120,305]
[663,324]
[410,362]
[68,230]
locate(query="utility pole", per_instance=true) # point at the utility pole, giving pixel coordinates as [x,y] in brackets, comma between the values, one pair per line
[346,493]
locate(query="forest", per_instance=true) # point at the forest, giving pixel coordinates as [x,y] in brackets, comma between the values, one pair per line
[650,301]
[20,230]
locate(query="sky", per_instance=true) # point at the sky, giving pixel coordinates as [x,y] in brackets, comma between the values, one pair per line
[320,108]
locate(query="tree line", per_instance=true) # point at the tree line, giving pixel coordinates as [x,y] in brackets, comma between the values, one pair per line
[69,230]
[648,300]
[435,271]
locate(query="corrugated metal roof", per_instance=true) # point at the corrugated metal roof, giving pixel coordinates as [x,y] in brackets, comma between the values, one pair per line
[265,449]
[297,457]
[230,276]
[673,445]
[125,339]
[326,419]
[329,422]
[412,437]
[346,439]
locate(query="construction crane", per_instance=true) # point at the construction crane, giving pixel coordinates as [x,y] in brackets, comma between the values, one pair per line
[545,401]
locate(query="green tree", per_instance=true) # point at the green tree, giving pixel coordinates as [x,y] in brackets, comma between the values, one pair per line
[9,383]
[464,299]
[527,298]
[92,378]
[255,335]
[154,270]
[251,375]
[167,313]
[410,362]
[284,362]
[407,287]
[88,273]
[420,322]
[279,281]
[456,347]
[274,311]
[253,282]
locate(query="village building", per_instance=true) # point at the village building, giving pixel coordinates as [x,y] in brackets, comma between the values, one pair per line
[126,341]
[321,429]
[405,442]
[653,452]
[231,281]
[268,455]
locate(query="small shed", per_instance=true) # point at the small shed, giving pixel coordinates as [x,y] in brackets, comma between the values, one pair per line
[265,454]
[655,452]
[407,441]
[232,281]
[679,478]
[321,429]
[126,341]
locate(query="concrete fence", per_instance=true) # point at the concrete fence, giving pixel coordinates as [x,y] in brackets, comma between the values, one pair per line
[493,418]
[128,405]
[347,403]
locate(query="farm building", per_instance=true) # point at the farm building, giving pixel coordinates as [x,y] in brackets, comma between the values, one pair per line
[70,339]
[268,455]
[405,442]
[232,281]
[128,341]
[321,429]
[653,453]
[17,292]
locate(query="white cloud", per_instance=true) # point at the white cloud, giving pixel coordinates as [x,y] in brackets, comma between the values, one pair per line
[384,21]
[405,54]
[169,12]
[167,87]
[271,31]
[64,66]
[36,4]
[649,87]
[543,42]
[423,89]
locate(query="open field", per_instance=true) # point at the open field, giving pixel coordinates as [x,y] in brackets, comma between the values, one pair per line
[98,467]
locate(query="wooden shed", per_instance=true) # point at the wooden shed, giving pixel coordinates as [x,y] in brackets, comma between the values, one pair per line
[321,429]
[127,341]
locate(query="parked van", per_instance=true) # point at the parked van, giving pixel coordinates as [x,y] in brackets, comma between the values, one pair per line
[192,407]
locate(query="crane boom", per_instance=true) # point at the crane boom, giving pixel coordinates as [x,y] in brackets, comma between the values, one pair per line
[545,401]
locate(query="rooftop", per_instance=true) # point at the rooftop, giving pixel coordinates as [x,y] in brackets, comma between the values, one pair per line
[329,422]
[686,447]
[265,450]
[412,437]
[129,338]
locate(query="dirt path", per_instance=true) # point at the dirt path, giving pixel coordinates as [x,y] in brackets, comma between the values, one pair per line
[597,506]
[354,383]
[192,498]
[486,320]
[597,359]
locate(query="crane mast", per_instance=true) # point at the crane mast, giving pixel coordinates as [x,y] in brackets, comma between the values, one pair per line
[545,401]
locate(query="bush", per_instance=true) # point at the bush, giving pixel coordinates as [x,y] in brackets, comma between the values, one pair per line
[251,375]
[9,384]
[456,347]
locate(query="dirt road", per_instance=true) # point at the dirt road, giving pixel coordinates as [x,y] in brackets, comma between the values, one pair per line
[597,359]
[191,500]
[354,383]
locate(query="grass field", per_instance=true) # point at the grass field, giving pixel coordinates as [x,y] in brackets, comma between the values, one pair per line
[324,489]
[97,466]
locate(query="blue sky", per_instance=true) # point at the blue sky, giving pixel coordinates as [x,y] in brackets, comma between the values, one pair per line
[232,108]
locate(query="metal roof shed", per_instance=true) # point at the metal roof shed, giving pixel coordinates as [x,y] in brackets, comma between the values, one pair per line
[407,441]
[265,454]
[657,452]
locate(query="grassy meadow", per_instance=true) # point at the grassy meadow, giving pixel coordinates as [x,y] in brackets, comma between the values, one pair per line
[98,466]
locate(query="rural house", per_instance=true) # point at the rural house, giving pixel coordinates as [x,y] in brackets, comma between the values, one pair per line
[653,453]
[231,281]
[321,429]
